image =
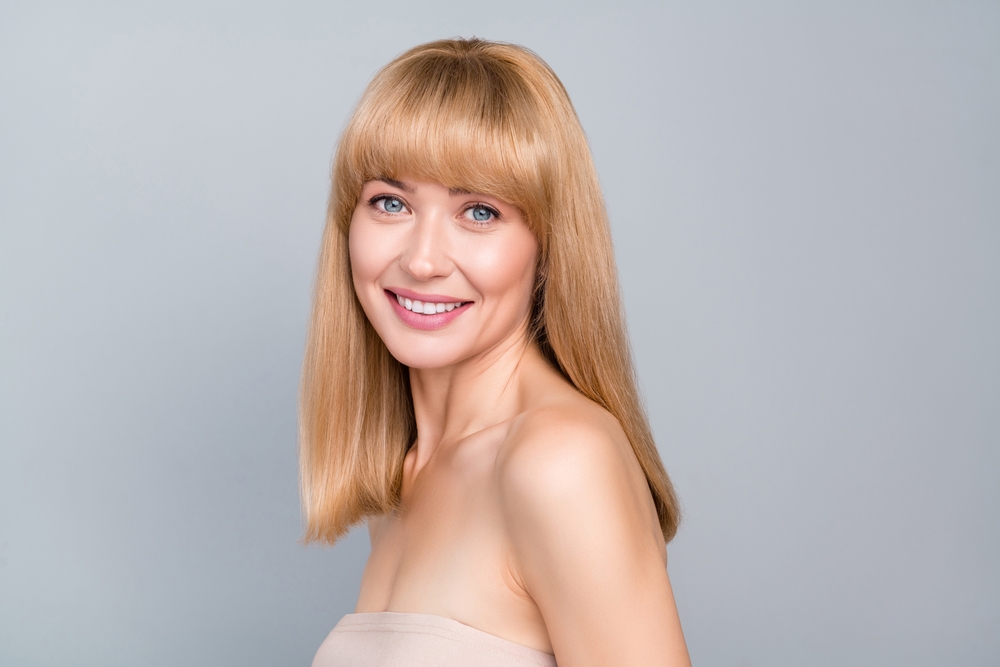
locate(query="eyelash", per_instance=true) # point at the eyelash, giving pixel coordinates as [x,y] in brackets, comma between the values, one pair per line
[373,202]
[495,213]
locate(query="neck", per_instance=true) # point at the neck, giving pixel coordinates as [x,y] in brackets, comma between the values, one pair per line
[456,401]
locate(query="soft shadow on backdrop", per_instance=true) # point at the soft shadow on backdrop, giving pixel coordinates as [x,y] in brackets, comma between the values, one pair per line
[807,218]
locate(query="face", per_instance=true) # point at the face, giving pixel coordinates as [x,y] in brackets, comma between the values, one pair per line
[443,275]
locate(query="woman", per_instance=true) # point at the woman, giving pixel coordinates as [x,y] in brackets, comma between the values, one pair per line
[468,387]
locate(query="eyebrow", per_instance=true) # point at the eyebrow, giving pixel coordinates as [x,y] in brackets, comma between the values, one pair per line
[394,183]
[406,188]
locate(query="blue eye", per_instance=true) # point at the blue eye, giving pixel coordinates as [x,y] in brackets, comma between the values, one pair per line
[391,204]
[482,213]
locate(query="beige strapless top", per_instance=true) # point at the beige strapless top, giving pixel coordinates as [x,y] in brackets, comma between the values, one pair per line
[393,639]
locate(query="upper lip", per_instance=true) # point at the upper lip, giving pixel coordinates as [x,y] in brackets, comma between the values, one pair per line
[426,298]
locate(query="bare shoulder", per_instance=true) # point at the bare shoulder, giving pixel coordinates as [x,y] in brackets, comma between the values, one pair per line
[584,542]
[570,460]
[558,442]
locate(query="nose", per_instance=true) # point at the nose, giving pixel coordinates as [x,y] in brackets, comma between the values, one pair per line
[425,253]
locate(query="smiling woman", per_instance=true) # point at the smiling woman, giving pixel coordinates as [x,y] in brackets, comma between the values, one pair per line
[436,235]
[468,387]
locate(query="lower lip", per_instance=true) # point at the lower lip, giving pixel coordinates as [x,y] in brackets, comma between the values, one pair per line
[425,322]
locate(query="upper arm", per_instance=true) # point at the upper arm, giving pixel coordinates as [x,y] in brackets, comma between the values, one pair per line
[586,548]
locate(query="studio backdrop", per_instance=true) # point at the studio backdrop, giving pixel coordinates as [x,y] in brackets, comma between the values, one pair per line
[805,200]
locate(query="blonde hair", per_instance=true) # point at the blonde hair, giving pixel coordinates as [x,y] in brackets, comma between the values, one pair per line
[484,117]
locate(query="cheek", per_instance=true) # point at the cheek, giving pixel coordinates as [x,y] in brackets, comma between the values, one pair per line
[506,269]
[369,257]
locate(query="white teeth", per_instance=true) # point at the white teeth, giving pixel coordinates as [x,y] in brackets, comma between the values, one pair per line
[427,308]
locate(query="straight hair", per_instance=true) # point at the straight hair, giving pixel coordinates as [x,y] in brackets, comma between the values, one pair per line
[484,117]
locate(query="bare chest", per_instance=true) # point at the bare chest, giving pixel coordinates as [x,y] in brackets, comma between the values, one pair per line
[443,549]
[445,552]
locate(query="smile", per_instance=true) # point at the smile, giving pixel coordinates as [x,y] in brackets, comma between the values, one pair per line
[427,308]
[428,314]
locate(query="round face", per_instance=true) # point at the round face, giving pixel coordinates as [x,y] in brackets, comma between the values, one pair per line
[442,274]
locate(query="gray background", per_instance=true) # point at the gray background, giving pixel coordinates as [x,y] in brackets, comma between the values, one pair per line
[806,207]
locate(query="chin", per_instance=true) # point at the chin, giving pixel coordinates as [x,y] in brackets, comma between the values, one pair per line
[436,354]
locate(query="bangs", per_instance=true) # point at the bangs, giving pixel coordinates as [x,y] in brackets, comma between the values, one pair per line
[460,122]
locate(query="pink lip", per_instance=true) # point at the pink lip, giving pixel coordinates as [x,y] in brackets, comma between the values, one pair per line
[417,296]
[425,322]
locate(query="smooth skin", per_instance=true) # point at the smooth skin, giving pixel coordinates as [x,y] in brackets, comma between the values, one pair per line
[524,512]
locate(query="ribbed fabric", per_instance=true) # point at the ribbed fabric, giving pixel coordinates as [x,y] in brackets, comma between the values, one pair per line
[393,639]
